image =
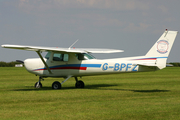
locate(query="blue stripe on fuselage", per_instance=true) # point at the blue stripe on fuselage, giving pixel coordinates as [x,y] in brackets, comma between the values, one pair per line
[72,65]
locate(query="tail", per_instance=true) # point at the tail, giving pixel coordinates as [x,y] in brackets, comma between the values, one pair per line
[161,49]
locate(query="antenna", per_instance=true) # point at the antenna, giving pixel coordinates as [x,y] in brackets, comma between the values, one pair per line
[73,43]
[166,32]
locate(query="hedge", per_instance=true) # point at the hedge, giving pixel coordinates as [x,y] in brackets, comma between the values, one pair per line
[8,64]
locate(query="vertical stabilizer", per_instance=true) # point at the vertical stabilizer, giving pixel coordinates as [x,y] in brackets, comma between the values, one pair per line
[162,48]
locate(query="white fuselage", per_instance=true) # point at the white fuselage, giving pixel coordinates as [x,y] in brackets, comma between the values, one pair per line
[75,67]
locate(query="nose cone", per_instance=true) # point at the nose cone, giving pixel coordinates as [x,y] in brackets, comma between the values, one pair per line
[31,65]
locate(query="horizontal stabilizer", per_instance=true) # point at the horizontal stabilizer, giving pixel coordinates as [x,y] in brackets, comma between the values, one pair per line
[151,66]
[148,65]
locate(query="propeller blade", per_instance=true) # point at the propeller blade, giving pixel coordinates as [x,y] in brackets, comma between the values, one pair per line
[19,61]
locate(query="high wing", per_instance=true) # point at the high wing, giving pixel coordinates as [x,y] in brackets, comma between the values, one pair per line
[57,49]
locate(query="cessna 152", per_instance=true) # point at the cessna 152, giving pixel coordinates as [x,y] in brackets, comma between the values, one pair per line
[72,62]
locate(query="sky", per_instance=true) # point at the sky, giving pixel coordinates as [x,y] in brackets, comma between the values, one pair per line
[129,25]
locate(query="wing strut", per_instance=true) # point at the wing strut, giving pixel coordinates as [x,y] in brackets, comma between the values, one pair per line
[44,62]
[66,79]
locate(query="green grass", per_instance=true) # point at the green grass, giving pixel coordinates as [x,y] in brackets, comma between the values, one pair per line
[145,95]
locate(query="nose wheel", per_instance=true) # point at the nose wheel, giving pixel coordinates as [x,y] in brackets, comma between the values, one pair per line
[38,84]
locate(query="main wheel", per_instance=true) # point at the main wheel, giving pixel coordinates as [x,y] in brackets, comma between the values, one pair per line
[56,85]
[79,84]
[38,85]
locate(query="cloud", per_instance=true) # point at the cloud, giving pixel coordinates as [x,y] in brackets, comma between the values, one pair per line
[163,8]
[99,19]
[97,4]
[138,27]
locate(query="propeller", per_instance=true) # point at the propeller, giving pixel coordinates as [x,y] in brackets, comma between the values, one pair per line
[19,61]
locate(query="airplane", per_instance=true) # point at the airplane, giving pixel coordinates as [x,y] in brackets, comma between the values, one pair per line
[78,62]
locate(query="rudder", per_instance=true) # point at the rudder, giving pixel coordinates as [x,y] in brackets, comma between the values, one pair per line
[162,48]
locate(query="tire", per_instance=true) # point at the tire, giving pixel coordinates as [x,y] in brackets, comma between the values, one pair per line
[38,85]
[79,84]
[56,85]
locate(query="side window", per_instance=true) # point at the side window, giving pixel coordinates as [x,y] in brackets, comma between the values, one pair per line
[60,57]
[66,57]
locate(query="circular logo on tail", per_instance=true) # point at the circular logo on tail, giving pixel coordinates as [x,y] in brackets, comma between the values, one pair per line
[162,46]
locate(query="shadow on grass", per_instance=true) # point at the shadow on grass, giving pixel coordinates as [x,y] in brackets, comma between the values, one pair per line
[146,91]
[94,86]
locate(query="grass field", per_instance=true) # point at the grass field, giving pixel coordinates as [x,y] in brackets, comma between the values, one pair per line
[146,95]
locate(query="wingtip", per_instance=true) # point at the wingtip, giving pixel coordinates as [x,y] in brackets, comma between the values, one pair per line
[3,46]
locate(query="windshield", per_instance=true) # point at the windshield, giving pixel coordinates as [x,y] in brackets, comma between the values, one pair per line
[48,55]
[84,56]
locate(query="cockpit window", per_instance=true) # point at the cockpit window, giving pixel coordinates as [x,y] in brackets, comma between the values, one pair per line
[84,56]
[58,56]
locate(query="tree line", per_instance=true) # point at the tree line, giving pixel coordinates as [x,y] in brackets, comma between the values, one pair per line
[8,64]
[175,64]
